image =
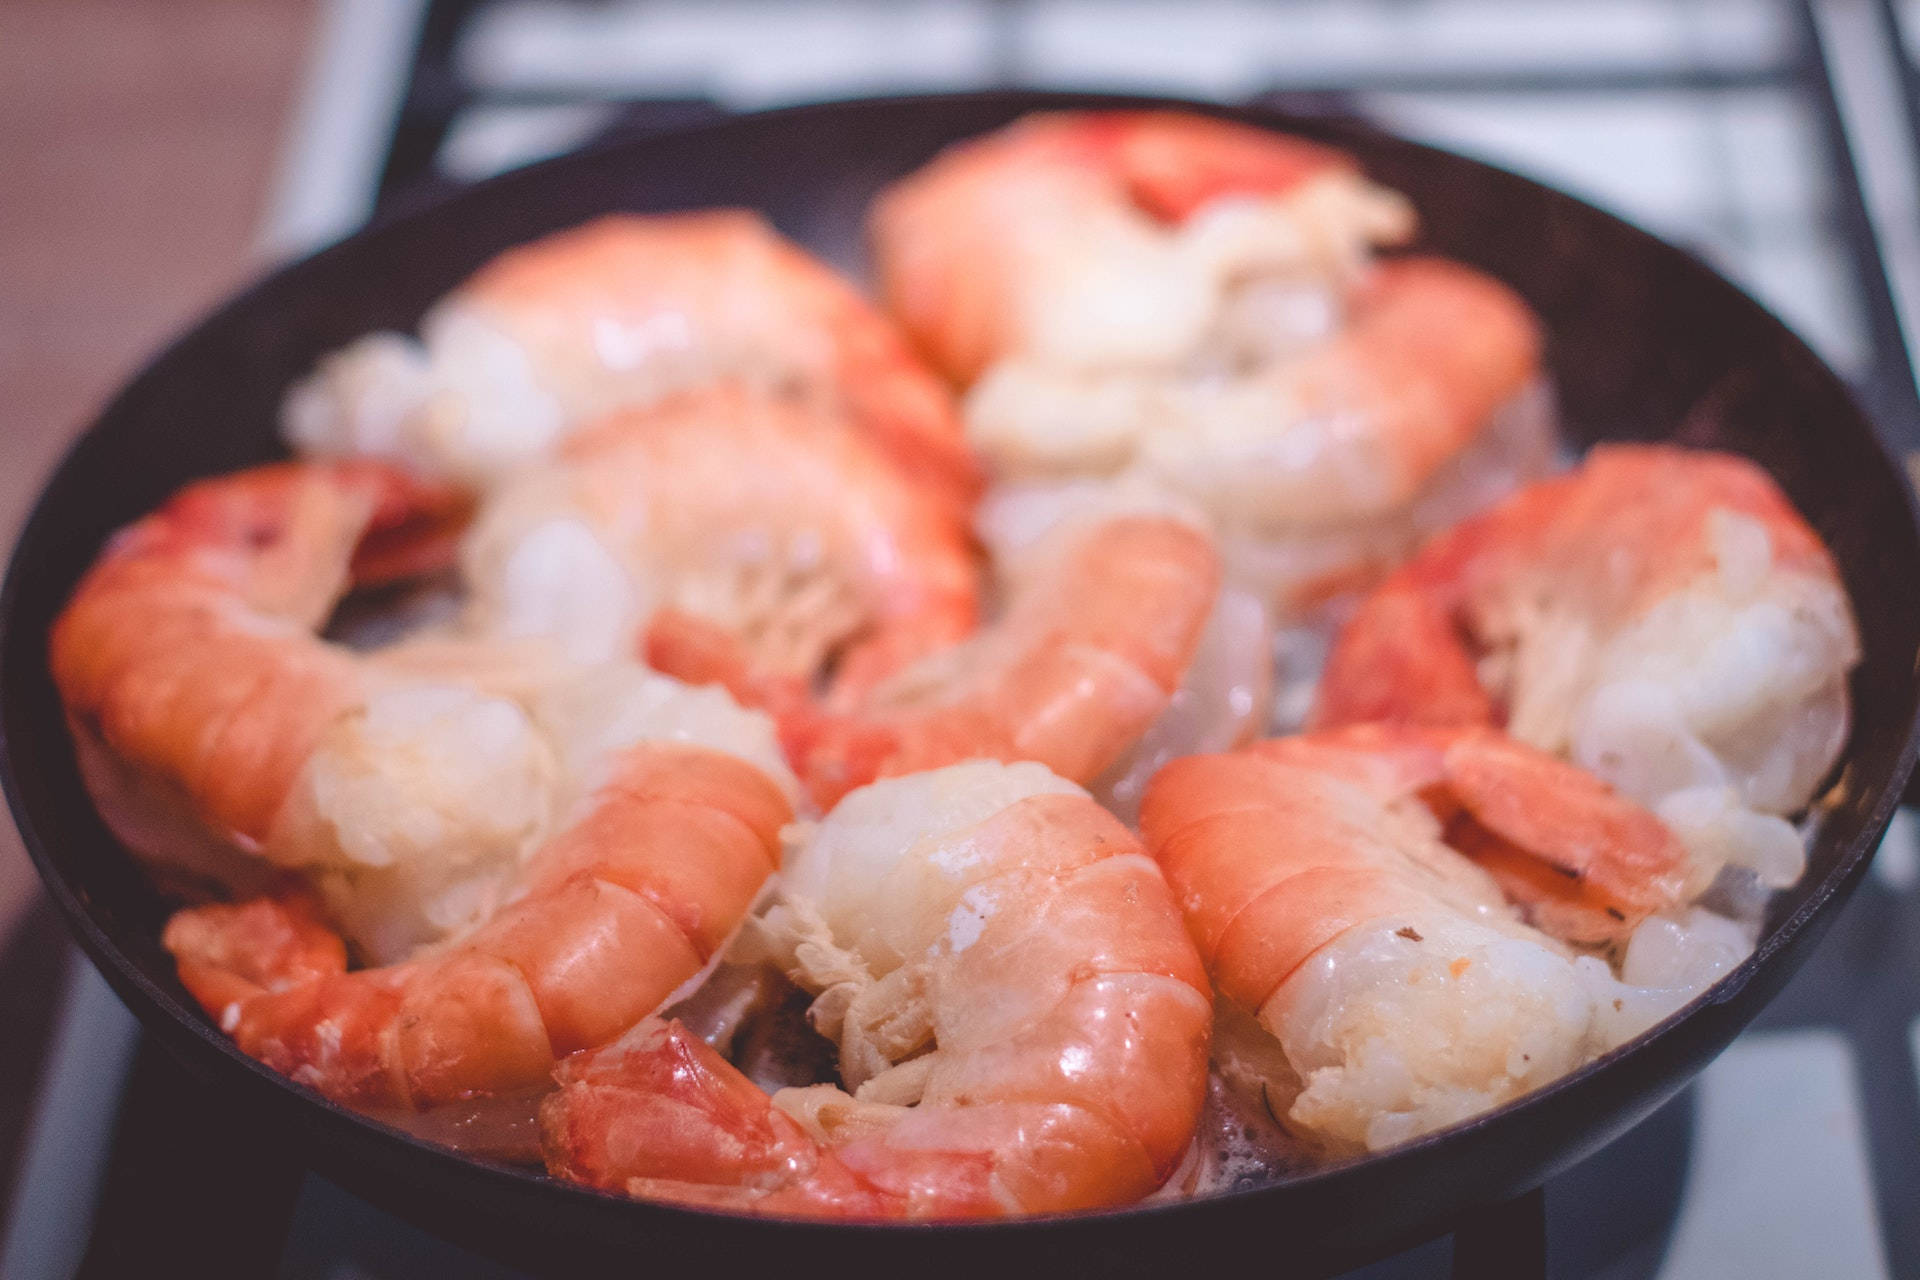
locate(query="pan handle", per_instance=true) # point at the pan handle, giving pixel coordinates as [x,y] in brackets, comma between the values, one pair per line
[1505,1241]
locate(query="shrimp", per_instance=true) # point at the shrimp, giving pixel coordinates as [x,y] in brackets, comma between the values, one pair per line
[624,311]
[725,537]
[1662,617]
[1104,238]
[1193,303]
[1101,622]
[227,742]
[186,658]
[1019,1012]
[1346,893]
[608,919]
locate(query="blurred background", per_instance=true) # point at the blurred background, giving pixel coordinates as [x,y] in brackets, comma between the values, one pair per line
[154,155]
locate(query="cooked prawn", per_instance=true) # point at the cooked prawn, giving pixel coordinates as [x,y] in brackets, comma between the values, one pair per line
[1115,286]
[1099,627]
[623,311]
[1105,238]
[729,538]
[227,741]
[1345,890]
[1019,1013]
[188,652]
[608,919]
[1662,617]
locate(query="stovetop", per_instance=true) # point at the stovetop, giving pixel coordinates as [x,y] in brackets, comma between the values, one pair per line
[1779,140]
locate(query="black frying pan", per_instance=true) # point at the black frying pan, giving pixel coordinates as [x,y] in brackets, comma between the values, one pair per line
[1645,342]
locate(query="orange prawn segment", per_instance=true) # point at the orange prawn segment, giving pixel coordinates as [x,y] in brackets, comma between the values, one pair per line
[758,542]
[1586,864]
[1345,890]
[623,311]
[1020,1016]
[1430,350]
[1088,652]
[968,245]
[188,649]
[612,916]
[1662,617]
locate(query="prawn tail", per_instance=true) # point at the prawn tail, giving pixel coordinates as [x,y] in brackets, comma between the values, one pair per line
[659,1109]
[414,1035]
[230,952]
[1587,864]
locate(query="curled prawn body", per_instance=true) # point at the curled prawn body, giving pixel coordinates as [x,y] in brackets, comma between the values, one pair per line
[1661,617]
[1193,304]
[1101,621]
[229,743]
[1104,238]
[187,658]
[1021,1021]
[650,873]
[726,537]
[1361,898]
[625,311]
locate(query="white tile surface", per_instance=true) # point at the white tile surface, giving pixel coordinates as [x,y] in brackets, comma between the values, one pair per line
[66,1146]
[1654,156]
[1735,175]
[1913,1048]
[758,52]
[342,121]
[1207,49]
[488,140]
[1778,1188]
[1897,864]
[1866,82]
[742,54]
[1328,38]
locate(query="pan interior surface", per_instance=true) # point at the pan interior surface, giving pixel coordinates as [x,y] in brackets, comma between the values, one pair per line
[1644,343]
